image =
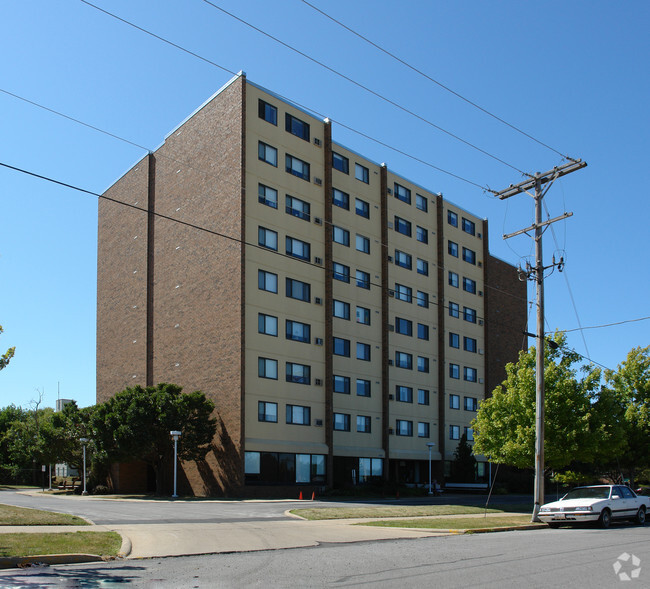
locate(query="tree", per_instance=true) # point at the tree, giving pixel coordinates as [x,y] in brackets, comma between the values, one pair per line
[135,425]
[577,427]
[629,386]
[464,464]
[8,355]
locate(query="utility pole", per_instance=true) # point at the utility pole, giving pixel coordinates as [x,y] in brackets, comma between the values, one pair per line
[536,183]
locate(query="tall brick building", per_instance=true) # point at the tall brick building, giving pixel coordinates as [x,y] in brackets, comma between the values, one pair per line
[340,316]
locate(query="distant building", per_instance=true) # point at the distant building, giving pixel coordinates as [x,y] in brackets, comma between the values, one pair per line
[363,318]
[61,403]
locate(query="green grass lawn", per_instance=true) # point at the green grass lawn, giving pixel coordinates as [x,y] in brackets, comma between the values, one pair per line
[401,511]
[459,523]
[100,543]
[23,516]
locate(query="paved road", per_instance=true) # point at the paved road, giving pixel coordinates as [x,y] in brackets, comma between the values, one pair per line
[567,558]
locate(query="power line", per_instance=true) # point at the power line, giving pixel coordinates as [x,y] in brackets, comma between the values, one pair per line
[330,69]
[438,83]
[217,233]
[606,325]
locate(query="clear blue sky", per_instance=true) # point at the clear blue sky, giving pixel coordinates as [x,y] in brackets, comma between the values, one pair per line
[572,74]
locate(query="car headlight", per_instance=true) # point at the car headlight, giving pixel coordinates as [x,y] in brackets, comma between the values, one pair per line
[583,508]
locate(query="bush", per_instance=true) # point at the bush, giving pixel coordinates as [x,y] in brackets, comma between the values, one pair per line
[101,490]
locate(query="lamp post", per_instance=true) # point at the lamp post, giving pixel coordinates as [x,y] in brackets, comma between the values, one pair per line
[175,434]
[430,445]
[84,441]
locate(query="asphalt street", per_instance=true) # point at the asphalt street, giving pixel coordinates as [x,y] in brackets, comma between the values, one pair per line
[567,558]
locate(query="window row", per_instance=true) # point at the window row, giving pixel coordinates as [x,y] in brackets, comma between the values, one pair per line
[342,237]
[404,427]
[296,248]
[342,384]
[469,374]
[468,254]
[469,343]
[454,433]
[342,164]
[467,225]
[341,309]
[404,194]
[405,260]
[404,394]
[281,467]
[469,403]
[469,314]
[294,289]
[342,272]
[405,228]
[293,125]
[469,285]
[298,373]
[341,347]
[405,360]
[405,293]
[342,423]
[405,327]
[342,200]
[293,165]
[294,330]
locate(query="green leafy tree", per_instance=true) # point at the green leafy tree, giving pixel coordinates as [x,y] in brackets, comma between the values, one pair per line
[8,355]
[577,427]
[135,425]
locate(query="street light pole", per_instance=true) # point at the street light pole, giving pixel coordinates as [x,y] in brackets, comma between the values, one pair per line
[175,434]
[430,445]
[84,441]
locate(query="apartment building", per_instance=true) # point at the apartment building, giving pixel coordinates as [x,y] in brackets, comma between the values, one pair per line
[339,315]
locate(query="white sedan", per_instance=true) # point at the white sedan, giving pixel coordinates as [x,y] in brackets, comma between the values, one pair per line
[601,503]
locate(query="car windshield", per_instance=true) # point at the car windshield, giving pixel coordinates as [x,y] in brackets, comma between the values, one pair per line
[588,493]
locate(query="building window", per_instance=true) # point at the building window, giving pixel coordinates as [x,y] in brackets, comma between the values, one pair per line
[469,255]
[267,368]
[298,290]
[267,196]
[423,331]
[267,153]
[341,309]
[298,208]
[404,360]
[403,293]
[340,163]
[268,112]
[421,202]
[421,234]
[423,364]
[471,404]
[298,373]
[454,402]
[298,415]
[402,226]
[362,173]
[454,340]
[363,315]
[341,347]
[340,272]
[454,371]
[340,235]
[470,374]
[454,310]
[468,226]
[297,167]
[267,412]
[469,344]
[403,326]
[422,267]
[363,244]
[297,331]
[423,397]
[370,468]
[404,428]
[267,238]
[267,281]
[422,299]
[363,387]
[452,219]
[469,434]
[402,193]
[340,199]
[469,285]
[453,279]
[298,249]
[404,394]
[296,127]
[363,424]
[342,422]
[362,208]
[469,314]
[452,248]
[403,259]
[454,432]
[423,430]
[363,279]
[363,351]
[341,384]
[267,324]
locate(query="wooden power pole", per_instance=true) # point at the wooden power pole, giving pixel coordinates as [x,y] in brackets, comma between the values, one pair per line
[537,183]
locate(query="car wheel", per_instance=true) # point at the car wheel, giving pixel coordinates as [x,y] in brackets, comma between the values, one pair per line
[640,516]
[605,518]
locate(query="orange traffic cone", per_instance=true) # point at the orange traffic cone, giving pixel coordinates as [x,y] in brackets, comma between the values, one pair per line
[313,495]
[300,497]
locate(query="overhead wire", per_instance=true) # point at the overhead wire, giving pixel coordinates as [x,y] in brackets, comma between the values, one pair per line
[433,80]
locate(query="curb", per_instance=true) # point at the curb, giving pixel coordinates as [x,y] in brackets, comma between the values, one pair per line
[10,562]
[126,547]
